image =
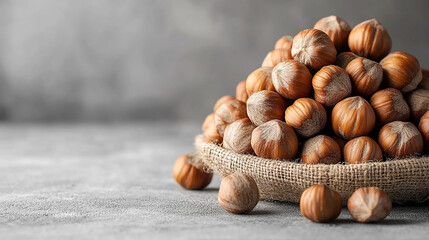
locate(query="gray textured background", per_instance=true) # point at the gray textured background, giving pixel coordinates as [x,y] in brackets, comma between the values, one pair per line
[159,60]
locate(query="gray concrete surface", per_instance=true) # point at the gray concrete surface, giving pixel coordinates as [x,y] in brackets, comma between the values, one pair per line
[115,182]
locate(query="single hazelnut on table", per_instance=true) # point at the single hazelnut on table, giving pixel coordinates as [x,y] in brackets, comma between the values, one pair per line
[362,150]
[321,149]
[336,28]
[264,106]
[401,71]
[221,101]
[424,129]
[188,172]
[275,57]
[400,139]
[313,48]
[370,39]
[284,42]
[306,116]
[369,204]
[274,140]
[212,135]
[418,101]
[344,58]
[353,117]
[229,112]
[424,84]
[292,79]
[207,122]
[366,76]
[238,193]
[331,84]
[237,136]
[389,105]
[241,92]
[259,80]
[320,203]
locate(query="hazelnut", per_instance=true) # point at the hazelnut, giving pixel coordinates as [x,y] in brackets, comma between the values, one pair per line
[229,112]
[419,103]
[319,203]
[238,193]
[344,58]
[237,136]
[221,101]
[212,135]
[400,139]
[275,57]
[306,116]
[369,204]
[366,75]
[424,129]
[424,84]
[187,171]
[370,39]
[336,28]
[362,150]
[264,106]
[284,42]
[353,117]
[274,140]
[321,149]
[259,80]
[389,105]
[241,92]
[401,71]
[340,141]
[292,79]
[207,122]
[331,84]
[314,48]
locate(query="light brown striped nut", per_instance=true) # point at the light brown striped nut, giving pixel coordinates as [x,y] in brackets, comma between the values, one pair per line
[362,150]
[237,136]
[313,48]
[331,84]
[275,57]
[370,39]
[321,149]
[221,101]
[209,120]
[292,79]
[366,76]
[319,203]
[353,117]
[369,204]
[212,135]
[264,106]
[389,105]
[400,139]
[188,175]
[241,92]
[229,112]
[306,116]
[284,42]
[336,28]
[401,71]
[259,80]
[418,101]
[424,129]
[344,58]
[424,84]
[274,140]
[238,193]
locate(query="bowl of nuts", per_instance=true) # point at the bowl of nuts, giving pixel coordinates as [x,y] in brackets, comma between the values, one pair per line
[331,106]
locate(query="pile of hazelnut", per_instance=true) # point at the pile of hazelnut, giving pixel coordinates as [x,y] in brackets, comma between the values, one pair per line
[330,94]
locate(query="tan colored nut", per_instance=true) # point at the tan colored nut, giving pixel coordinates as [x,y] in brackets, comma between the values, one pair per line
[362,150]
[221,101]
[353,117]
[212,135]
[241,92]
[229,112]
[331,84]
[275,57]
[313,48]
[321,149]
[401,71]
[370,39]
[284,42]
[336,28]
[424,84]
[188,175]
[424,129]
[238,193]
[274,140]
[319,203]
[344,58]
[306,116]
[389,105]
[400,139]
[292,79]
[237,136]
[366,76]
[207,122]
[369,204]
[264,106]
[259,80]
[418,101]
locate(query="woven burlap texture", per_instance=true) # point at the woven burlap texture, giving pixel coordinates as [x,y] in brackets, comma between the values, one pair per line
[405,180]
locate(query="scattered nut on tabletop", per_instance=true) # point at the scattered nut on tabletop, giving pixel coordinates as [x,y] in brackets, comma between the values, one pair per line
[320,203]
[238,193]
[187,171]
[369,204]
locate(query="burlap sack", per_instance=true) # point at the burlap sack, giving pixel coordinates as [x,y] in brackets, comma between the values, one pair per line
[405,180]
